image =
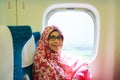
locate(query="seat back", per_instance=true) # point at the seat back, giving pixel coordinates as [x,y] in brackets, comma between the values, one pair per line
[21,36]
[6,54]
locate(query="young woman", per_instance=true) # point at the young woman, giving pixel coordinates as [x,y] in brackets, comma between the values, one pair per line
[49,65]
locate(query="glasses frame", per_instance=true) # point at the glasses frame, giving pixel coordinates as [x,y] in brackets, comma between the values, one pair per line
[53,38]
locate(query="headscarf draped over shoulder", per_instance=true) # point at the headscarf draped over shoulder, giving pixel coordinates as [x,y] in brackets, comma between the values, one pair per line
[45,68]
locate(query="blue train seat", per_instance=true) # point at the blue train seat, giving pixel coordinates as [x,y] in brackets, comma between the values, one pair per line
[17,49]
[23,46]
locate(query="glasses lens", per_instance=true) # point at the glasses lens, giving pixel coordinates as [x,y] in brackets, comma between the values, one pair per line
[55,37]
[59,37]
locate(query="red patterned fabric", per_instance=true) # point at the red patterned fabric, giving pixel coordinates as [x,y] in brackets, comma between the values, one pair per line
[50,66]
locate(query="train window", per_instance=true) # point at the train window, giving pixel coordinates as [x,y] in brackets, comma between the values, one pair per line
[80,26]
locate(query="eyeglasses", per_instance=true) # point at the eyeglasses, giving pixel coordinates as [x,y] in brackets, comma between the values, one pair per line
[52,37]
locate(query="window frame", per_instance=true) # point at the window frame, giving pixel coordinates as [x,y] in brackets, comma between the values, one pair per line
[89,9]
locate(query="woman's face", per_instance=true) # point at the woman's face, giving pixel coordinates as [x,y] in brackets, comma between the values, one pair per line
[55,41]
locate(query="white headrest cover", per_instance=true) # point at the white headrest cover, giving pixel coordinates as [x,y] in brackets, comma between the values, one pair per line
[6,54]
[28,52]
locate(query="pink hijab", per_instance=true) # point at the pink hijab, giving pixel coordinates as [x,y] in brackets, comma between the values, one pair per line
[50,66]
